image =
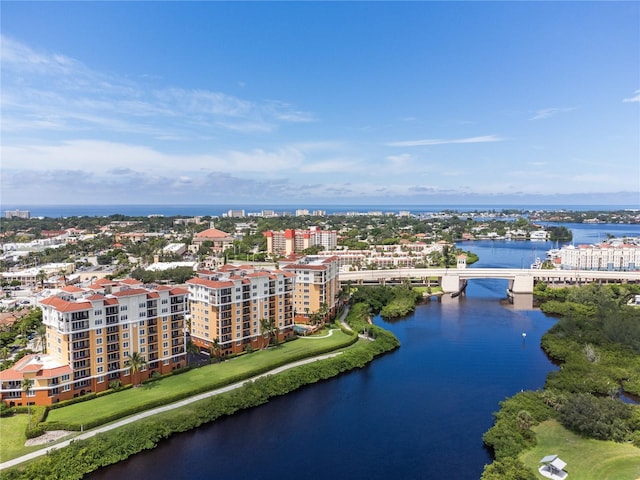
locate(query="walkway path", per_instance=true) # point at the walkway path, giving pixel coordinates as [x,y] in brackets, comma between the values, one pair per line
[155,411]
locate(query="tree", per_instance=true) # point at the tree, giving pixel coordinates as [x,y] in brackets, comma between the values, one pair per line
[192,349]
[323,312]
[5,353]
[27,385]
[215,349]
[524,420]
[41,276]
[136,362]
[269,330]
[41,338]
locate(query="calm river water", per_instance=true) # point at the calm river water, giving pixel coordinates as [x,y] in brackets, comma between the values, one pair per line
[416,413]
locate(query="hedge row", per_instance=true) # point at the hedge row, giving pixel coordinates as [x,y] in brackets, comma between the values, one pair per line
[84,456]
[195,391]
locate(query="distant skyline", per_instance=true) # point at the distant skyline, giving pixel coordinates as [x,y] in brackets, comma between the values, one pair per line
[311,103]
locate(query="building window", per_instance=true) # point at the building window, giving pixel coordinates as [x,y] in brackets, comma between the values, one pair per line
[100,369]
[125,335]
[66,388]
[100,380]
[98,331]
[98,341]
[99,360]
[99,350]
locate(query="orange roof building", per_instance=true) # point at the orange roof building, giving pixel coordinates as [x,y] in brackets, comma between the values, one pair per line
[228,307]
[90,335]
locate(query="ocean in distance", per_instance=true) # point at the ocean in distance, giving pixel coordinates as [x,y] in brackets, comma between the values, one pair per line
[61,211]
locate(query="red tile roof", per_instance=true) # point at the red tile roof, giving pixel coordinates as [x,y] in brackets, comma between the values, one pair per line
[212,233]
[210,283]
[64,306]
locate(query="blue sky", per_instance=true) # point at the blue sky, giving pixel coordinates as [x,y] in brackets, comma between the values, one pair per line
[356,102]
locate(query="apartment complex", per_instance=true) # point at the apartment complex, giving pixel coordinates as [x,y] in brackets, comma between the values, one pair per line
[604,256]
[292,241]
[228,307]
[91,332]
[25,214]
[316,285]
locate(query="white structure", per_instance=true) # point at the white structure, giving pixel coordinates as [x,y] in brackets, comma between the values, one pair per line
[160,266]
[175,248]
[605,256]
[31,277]
[539,235]
[552,467]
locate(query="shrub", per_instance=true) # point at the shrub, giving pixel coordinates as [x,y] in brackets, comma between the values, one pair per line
[599,418]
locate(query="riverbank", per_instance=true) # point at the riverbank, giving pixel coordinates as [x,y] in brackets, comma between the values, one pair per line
[596,342]
[131,436]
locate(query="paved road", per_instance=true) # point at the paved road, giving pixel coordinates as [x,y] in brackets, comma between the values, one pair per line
[155,411]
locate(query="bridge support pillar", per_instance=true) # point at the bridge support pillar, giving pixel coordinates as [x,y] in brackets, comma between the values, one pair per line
[522,284]
[450,283]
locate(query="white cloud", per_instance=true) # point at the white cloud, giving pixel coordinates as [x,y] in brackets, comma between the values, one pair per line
[39,86]
[101,156]
[400,160]
[437,141]
[635,98]
[550,112]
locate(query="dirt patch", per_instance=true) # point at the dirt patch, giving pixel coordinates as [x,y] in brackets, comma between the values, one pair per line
[47,437]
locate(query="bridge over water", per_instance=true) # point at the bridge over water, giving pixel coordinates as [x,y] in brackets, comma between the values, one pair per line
[453,279]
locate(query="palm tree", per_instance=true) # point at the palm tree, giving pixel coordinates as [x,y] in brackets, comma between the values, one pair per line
[323,312]
[269,330]
[192,349]
[5,353]
[41,338]
[136,362]
[215,348]
[41,276]
[524,420]
[27,385]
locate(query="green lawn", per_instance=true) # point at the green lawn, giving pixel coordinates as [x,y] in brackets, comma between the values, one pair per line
[12,437]
[212,375]
[586,459]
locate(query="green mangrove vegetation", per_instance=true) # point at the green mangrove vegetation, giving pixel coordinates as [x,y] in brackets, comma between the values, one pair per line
[597,342]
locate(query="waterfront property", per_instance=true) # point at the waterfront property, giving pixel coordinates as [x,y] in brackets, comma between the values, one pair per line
[611,256]
[317,286]
[229,308]
[90,335]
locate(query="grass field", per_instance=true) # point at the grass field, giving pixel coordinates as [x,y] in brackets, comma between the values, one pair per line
[12,437]
[212,375]
[586,459]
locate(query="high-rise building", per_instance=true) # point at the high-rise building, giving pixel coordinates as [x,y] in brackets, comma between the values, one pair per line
[229,307]
[292,241]
[317,285]
[90,335]
[25,214]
